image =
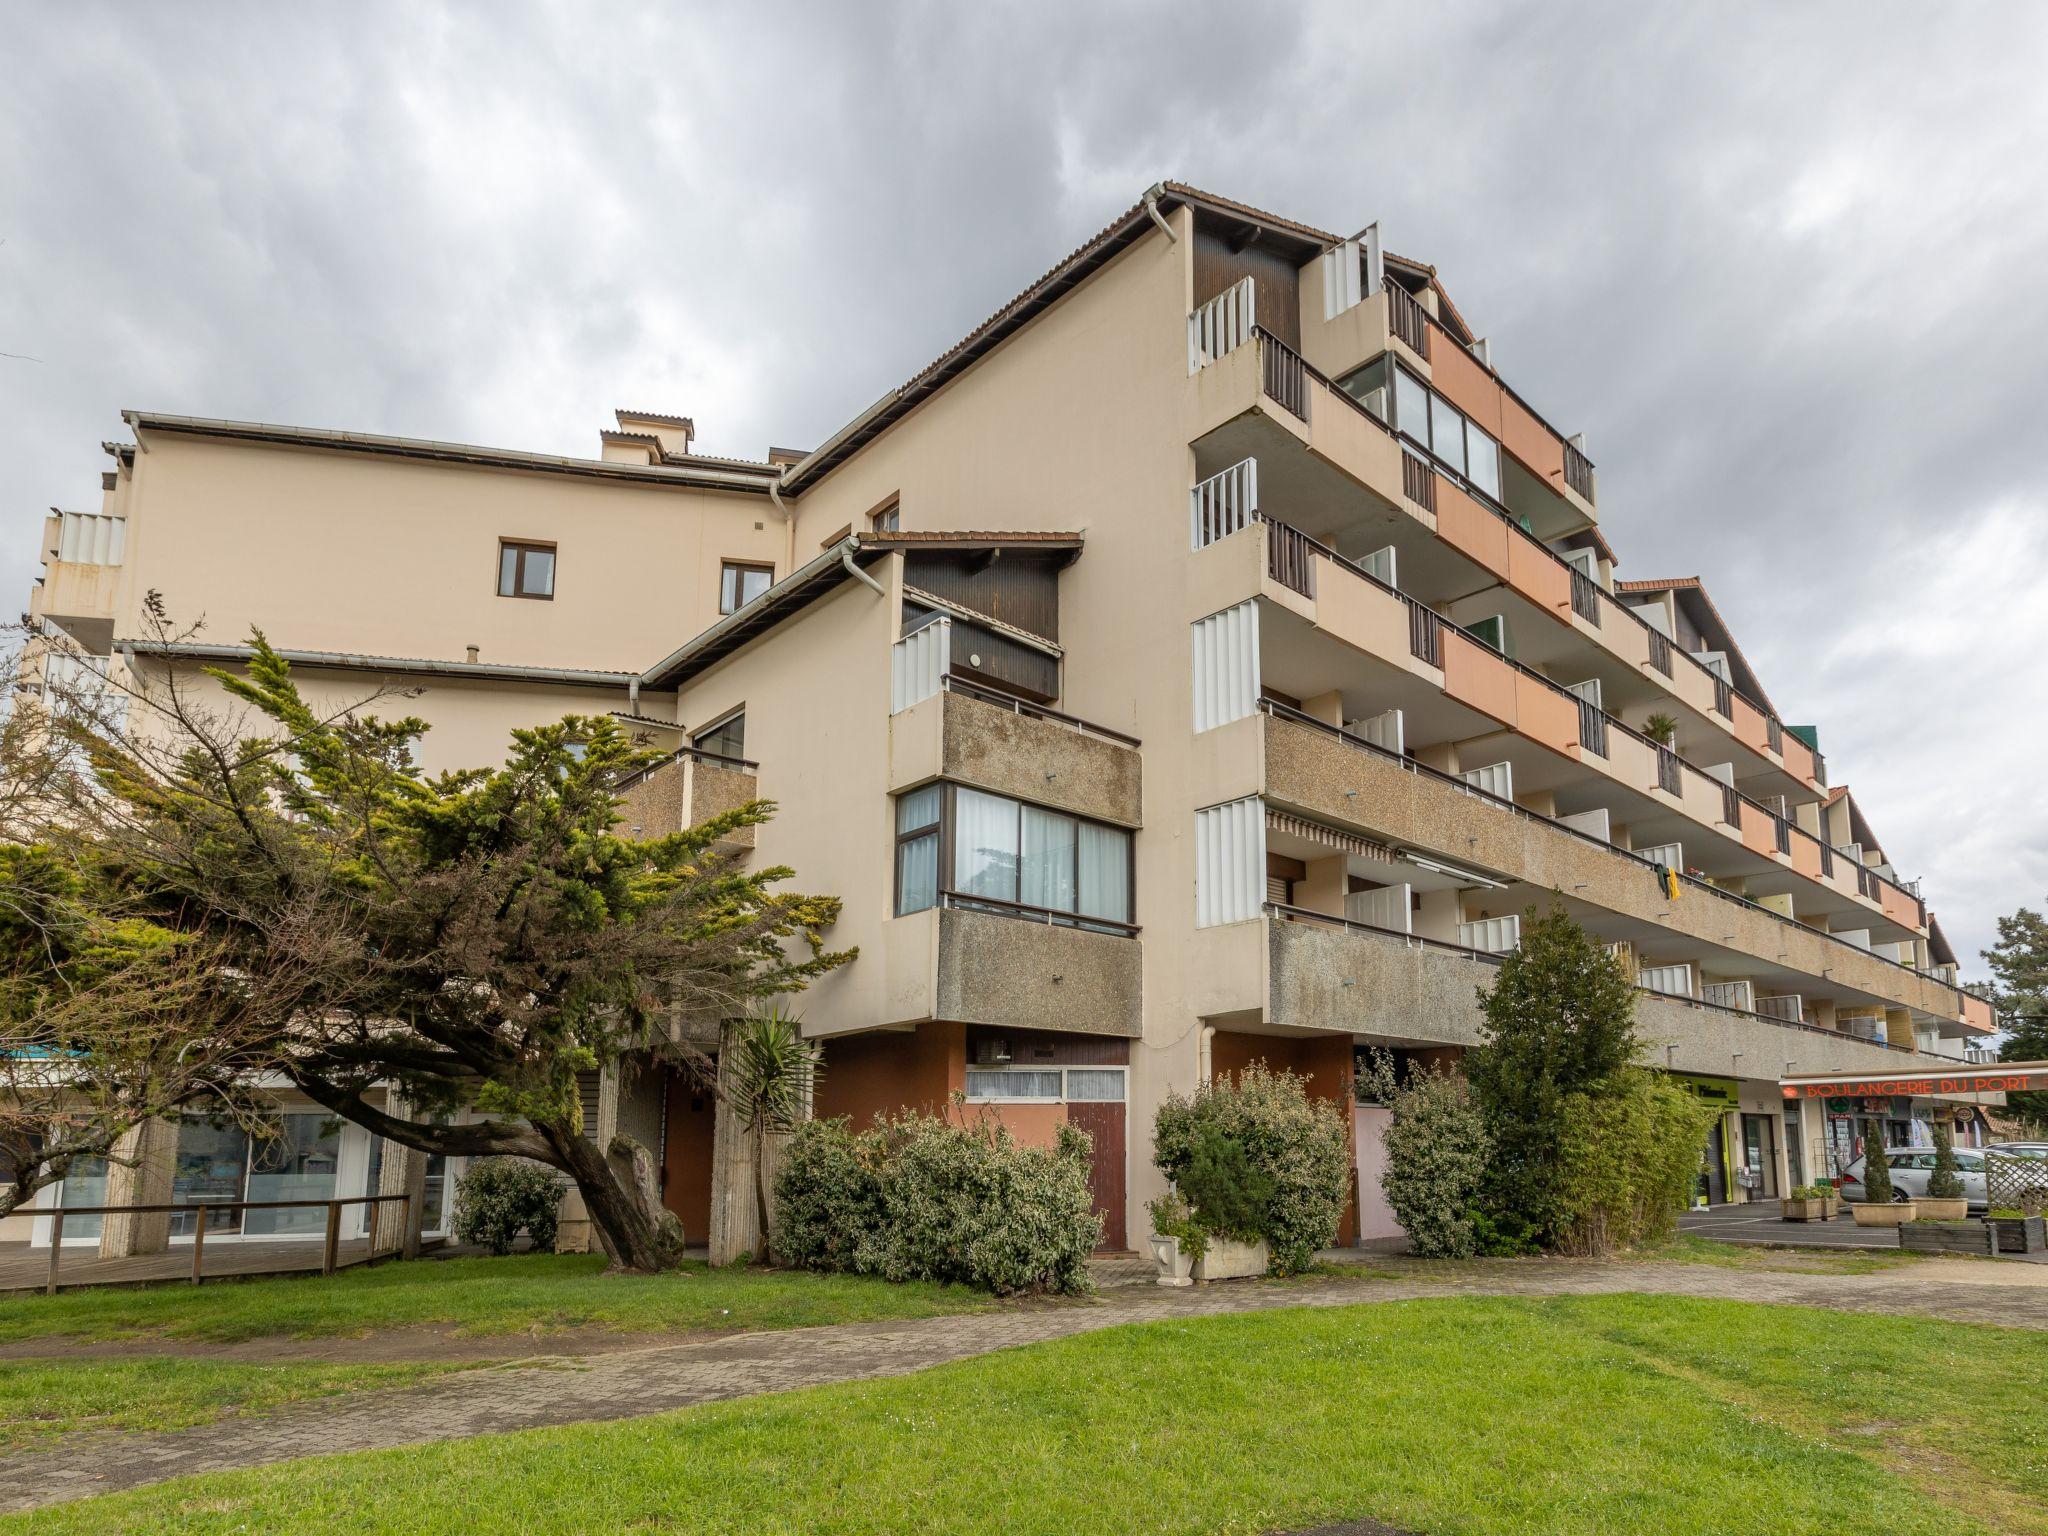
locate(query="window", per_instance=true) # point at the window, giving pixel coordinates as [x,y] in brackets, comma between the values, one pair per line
[917,849]
[1005,852]
[1482,460]
[740,583]
[1411,406]
[887,519]
[1447,433]
[727,738]
[1043,1085]
[526,570]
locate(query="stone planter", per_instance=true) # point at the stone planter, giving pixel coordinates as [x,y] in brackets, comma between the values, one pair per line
[1226,1260]
[1174,1265]
[2020,1234]
[1932,1209]
[1803,1210]
[1925,1236]
[1892,1213]
[1834,1206]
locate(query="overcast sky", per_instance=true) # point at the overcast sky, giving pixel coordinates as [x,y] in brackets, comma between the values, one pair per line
[1783,265]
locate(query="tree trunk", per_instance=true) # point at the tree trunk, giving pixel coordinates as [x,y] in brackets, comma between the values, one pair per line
[636,1232]
[763,1179]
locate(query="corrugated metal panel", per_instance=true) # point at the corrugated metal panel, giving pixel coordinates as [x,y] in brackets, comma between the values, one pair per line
[1230,862]
[1670,855]
[1494,935]
[91,538]
[1672,980]
[1226,665]
[1343,278]
[917,662]
[1391,907]
[1495,779]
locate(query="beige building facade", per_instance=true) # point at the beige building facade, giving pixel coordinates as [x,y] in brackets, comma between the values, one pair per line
[1210,659]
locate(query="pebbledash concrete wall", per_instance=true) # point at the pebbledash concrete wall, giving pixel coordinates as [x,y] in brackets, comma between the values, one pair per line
[685,793]
[1004,971]
[1041,761]
[1384,985]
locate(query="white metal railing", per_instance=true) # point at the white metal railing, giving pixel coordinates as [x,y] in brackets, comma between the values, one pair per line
[1789,1006]
[918,662]
[1492,935]
[91,538]
[1221,326]
[1730,994]
[1222,504]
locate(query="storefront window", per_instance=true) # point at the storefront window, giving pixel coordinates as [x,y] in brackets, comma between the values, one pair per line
[298,1164]
[212,1162]
[85,1184]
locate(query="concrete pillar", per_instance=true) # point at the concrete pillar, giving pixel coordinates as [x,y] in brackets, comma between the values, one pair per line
[1813,1136]
[403,1171]
[140,1173]
[1326,707]
[735,1225]
[1322,888]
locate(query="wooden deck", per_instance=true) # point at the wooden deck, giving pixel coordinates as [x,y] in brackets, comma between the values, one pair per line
[23,1268]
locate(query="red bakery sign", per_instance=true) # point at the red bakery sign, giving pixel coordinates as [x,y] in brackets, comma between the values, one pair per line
[1907,1087]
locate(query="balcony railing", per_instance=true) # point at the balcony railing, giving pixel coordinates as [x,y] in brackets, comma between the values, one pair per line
[1290,558]
[1789,1006]
[91,538]
[690,754]
[1578,471]
[1585,597]
[1283,374]
[1669,776]
[1592,728]
[952,683]
[1660,649]
[1049,916]
[1418,481]
[1222,504]
[1408,320]
[1410,765]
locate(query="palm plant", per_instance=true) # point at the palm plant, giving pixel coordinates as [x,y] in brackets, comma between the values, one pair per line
[768,1074]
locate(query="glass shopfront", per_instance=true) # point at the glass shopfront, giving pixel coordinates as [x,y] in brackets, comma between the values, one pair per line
[222,1163]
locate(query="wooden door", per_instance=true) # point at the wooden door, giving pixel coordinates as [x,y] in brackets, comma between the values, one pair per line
[686,1155]
[1105,1122]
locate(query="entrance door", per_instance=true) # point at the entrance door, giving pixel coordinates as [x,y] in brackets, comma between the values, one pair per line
[1760,1154]
[686,1155]
[1714,1164]
[1105,1122]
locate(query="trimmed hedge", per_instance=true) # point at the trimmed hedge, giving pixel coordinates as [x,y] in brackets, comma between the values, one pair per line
[934,1198]
[501,1196]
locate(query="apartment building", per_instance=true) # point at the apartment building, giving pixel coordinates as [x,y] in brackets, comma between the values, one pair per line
[1206,660]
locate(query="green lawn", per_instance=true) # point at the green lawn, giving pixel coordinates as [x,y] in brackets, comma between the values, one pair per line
[526,1295]
[522,1294]
[1473,1415]
[45,1397]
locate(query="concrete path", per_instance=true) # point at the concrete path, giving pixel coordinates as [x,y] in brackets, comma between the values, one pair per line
[630,1383]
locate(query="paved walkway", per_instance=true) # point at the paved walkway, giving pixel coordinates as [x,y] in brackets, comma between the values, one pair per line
[630,1383]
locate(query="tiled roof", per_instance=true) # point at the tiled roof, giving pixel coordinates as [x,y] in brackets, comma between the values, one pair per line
[684,422]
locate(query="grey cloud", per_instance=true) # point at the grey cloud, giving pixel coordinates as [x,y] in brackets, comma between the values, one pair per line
[1780,263]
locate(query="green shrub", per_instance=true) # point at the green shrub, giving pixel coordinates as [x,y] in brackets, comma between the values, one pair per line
[1297,1142]
[937,1198]
[1629,1158]
[1877,1171]
[1172,1217]
[1437,1155]
[1227,1194]
[1946,1182]
[499,1197]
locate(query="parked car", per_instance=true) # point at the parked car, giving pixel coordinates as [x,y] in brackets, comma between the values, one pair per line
[1911,1167]
[2032,1152]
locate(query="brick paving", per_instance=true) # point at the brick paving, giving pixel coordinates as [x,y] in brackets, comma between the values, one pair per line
[633,1382]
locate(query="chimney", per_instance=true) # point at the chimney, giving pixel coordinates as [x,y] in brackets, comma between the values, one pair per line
[472,655]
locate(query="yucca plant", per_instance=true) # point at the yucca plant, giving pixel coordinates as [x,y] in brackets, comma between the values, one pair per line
[768,1077]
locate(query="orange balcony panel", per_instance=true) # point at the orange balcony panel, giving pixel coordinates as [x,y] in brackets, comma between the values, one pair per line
[1750,729]
[1546,716]
[1806,856]
[1798,759]
[1472,530]
[1977,1013]
[1899,907]
[1475,676]
[1531,442]
[1757,833]
[1459,378]
[1539,576]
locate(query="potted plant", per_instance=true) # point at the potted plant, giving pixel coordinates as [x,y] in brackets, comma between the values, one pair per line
[1944,1200]
[1809,1202]
[1878,1207]
[1178,1244]
[1661,728]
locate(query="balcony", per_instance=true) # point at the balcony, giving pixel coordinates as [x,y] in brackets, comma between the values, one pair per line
[1013,967]
[1557,740]
[82,559]
[1329,974]
[944,727]
[1335,778]
[686,791]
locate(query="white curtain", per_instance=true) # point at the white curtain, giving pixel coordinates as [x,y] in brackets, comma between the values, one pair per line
[1105,877]
[985,845]
[1046,873]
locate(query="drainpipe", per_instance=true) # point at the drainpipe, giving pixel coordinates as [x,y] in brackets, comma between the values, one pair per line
[1152,208]
[846,560]
[633,697]
[1202,1053]
[788,522]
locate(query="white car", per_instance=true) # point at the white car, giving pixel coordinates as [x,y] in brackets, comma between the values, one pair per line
[1911,1167]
